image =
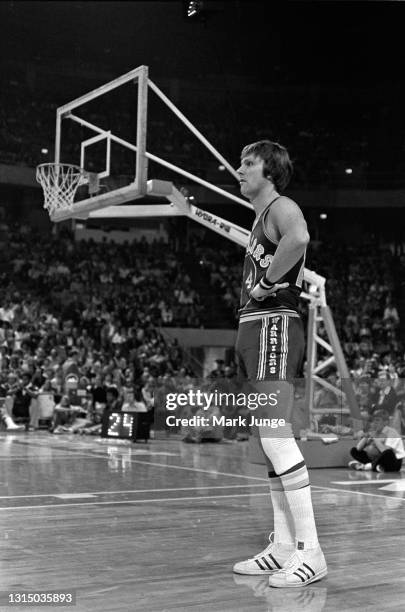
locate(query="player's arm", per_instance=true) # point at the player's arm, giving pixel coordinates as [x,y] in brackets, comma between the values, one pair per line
[287,220]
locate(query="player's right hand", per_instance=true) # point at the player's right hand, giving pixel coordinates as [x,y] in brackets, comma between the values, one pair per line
[260,293]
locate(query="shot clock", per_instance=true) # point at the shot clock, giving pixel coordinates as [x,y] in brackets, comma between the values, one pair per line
[121,425]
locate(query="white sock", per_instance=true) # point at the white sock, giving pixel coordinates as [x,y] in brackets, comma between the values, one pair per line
[298,494]
[283,525]
[289,464]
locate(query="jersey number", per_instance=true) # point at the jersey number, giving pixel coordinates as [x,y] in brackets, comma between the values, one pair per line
[249,281]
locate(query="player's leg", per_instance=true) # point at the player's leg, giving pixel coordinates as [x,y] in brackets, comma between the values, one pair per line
[281,538]
[307,563]
[283,525]
[286,347]
[281,347]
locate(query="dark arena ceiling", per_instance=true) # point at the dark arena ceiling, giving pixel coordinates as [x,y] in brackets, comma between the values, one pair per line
[339,41]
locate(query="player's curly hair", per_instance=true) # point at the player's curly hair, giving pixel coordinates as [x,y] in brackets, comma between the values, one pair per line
[277,167]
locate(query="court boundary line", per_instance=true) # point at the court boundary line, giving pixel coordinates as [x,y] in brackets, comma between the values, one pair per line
[364,482]
[177,499]
[36,495]
[335,489]
[182,467]
[192,469]
[132,502]
[265,479]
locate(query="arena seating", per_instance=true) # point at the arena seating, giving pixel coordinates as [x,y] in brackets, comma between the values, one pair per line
[97,307]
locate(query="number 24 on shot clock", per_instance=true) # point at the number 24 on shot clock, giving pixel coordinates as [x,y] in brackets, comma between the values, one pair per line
[120,425]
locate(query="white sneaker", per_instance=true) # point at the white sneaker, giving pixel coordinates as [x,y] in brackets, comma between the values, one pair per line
[302,568]
[355,465]
[9,423]
[270,560]
[14,427]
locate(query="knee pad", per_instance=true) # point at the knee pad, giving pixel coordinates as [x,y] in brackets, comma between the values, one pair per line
[283,453]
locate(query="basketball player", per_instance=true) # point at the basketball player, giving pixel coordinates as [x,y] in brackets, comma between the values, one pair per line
[269,348]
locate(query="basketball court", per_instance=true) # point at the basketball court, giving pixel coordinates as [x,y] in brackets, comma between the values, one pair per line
[158,527]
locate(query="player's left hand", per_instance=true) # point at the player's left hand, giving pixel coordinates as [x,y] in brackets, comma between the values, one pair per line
[264,289]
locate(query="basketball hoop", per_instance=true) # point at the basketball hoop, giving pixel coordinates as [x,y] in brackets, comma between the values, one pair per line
[60,182]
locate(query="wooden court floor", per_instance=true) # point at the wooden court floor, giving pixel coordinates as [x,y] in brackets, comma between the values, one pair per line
[157,527]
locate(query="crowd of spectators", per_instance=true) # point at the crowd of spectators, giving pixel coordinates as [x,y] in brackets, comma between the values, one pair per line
[362,292]
[106,288]
[91,309]
[94,309]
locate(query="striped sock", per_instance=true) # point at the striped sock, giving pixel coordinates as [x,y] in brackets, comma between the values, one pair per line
[298,493]
[283,525]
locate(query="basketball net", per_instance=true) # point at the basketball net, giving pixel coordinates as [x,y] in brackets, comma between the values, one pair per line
[60,182]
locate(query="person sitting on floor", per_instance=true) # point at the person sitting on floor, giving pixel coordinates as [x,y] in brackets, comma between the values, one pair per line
[94,425]
[63,416]
[381,449]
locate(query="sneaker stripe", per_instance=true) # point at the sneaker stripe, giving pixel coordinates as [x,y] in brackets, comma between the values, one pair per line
[307,576]
[299,576]
[264,560]
[310,569]
[261,566]
[274,561]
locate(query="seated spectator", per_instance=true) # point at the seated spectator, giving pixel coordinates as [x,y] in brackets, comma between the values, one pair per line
[147,395]
[82,418]
[386,398]
[391,313]
[93,425]
[113,403]
[362,391]
[46,401]
[71,365]
[98,391]
[139,404]
[381,448]
[20,396]
[218,371]
[63,416]
[166,314]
